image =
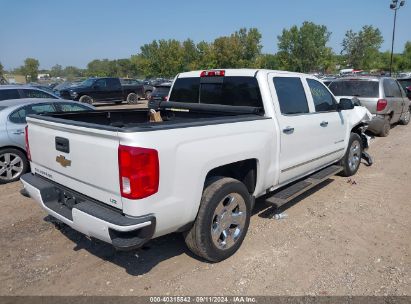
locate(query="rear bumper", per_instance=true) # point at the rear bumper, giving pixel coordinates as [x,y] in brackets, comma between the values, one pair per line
[88,216]
[376,125]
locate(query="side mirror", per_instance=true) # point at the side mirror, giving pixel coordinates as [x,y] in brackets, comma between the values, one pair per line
[345,104]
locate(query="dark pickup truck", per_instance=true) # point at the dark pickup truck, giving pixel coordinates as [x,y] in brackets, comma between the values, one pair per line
[105,89]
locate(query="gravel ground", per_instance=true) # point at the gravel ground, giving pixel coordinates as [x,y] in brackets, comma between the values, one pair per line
[341,238]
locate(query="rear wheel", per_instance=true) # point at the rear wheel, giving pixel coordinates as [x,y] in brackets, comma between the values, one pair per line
[352,158]
[406,119]
[13,164]
[385,130]
[222,221]
[86,99]
[132,98]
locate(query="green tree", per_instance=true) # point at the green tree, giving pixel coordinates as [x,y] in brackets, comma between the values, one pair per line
[239,50]
[72,72]
[190,55]
[362,49]
[268,61]
[303,49]
[206,58]
[405,63]
[56,71]
[30,69]
[124,68]
[99,68]
[1,69]
[250,45]
[162,58]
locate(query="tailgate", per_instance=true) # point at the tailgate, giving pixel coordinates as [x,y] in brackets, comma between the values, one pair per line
[80,158]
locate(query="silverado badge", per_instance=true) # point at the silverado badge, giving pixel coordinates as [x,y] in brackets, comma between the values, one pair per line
[63,161]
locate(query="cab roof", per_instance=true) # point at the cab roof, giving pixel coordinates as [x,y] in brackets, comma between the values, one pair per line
[237,72]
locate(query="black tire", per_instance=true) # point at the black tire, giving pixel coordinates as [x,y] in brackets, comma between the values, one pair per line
[86,99]
[347,161]
[132,98]
[147,94]
[385,130]
[8,171]
[406,119]
[199,238]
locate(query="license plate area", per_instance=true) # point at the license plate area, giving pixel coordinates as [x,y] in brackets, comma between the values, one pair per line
[67,199]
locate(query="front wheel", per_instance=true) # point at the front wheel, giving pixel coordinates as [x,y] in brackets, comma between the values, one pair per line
[13,164]
[352,158]
[86,99]
[222,221]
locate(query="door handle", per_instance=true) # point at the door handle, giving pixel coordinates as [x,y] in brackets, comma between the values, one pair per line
[324,124]
[18,132]
[288,130]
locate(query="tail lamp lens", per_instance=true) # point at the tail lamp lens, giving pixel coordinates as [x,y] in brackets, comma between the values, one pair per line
[214,73]
[26,136]
[381,104]
[139,172]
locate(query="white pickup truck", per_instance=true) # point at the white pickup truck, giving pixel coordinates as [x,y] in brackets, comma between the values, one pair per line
[196,166]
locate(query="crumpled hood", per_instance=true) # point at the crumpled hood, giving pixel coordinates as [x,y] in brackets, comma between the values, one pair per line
[359,114]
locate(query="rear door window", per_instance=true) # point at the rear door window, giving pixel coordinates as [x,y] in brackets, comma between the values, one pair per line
[229,90]
[113,83]
[101,83]
[359,88]
[19,116]
[29,93]
[291,95]
[9,94]
[323,100]
[70,107]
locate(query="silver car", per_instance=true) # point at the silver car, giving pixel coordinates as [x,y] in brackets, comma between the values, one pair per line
[23,91]
[13,112]
[382,96]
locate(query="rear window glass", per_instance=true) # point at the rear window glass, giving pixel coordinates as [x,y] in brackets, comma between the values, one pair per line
[230,90]
[405,83]
[9,94]
[29,93]
[161,90]
[358,88]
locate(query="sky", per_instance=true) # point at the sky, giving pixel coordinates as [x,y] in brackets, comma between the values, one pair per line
[77,31]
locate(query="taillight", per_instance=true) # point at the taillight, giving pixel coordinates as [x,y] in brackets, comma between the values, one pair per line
[139,172]
[26,136]
[165,98]
[213,73]
[381,104]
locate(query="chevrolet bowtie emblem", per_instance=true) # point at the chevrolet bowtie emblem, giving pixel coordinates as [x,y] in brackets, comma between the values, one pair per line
[63,161]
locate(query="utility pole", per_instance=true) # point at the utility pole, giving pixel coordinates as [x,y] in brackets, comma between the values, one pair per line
[395,5]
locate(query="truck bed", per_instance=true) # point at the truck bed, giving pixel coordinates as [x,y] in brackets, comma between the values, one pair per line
[174,115]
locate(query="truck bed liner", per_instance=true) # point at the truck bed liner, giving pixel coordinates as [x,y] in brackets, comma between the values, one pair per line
[137,120]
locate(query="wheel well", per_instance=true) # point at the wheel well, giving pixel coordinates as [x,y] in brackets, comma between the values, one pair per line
[357,130]
[245,171]
[14,147]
